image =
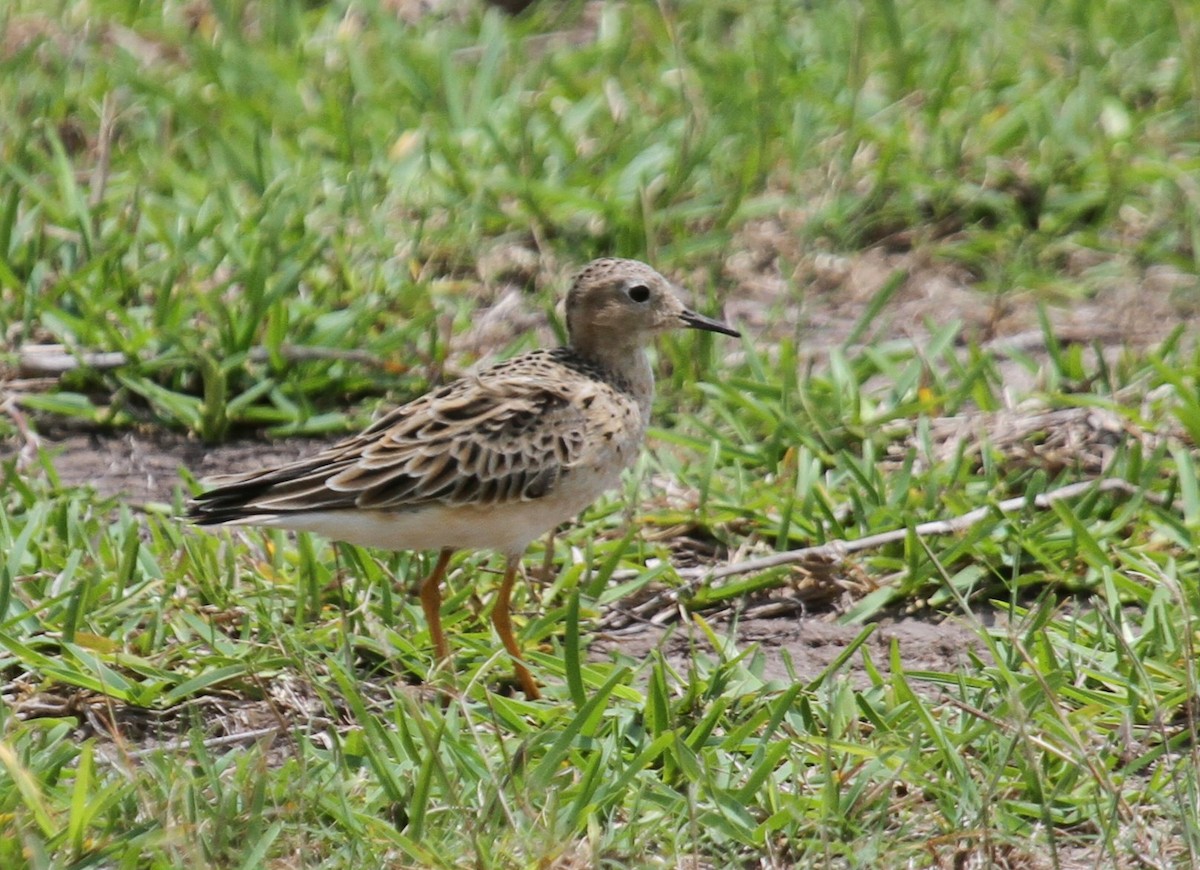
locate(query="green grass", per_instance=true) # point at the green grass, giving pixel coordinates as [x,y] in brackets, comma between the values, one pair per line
[243,198]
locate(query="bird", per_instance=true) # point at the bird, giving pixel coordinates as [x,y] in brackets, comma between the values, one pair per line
[491,461]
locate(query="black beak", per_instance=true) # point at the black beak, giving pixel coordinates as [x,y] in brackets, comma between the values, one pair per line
[692,320]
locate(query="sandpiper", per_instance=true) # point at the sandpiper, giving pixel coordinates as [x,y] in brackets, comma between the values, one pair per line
[491,461]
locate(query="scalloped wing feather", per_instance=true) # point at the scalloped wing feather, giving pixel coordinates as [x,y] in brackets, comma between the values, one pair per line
[506,434]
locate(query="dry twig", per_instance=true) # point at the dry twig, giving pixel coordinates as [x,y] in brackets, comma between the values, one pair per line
[839,549]
[667,603]
[56,359]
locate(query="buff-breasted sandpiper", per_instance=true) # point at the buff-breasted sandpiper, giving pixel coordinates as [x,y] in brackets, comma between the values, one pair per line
[491,461]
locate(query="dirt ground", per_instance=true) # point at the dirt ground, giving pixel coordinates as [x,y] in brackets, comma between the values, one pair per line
[144,466]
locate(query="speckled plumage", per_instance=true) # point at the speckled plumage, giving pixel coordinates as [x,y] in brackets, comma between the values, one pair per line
[493,460]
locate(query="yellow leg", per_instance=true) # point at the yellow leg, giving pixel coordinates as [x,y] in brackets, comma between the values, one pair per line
[431,603]
[503,623]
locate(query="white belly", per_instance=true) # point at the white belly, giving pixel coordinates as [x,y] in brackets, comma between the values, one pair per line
[508,527]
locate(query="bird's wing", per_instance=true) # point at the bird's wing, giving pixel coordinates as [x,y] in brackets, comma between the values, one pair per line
[479,440]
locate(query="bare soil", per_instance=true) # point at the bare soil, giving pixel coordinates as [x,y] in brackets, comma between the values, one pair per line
[804,647]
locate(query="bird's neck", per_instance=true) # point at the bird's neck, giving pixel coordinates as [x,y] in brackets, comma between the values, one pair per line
[627,361]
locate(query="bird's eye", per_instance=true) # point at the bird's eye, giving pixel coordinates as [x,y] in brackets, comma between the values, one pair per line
[639,293]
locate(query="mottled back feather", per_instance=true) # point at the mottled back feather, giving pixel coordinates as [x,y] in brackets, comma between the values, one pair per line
[507,433]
